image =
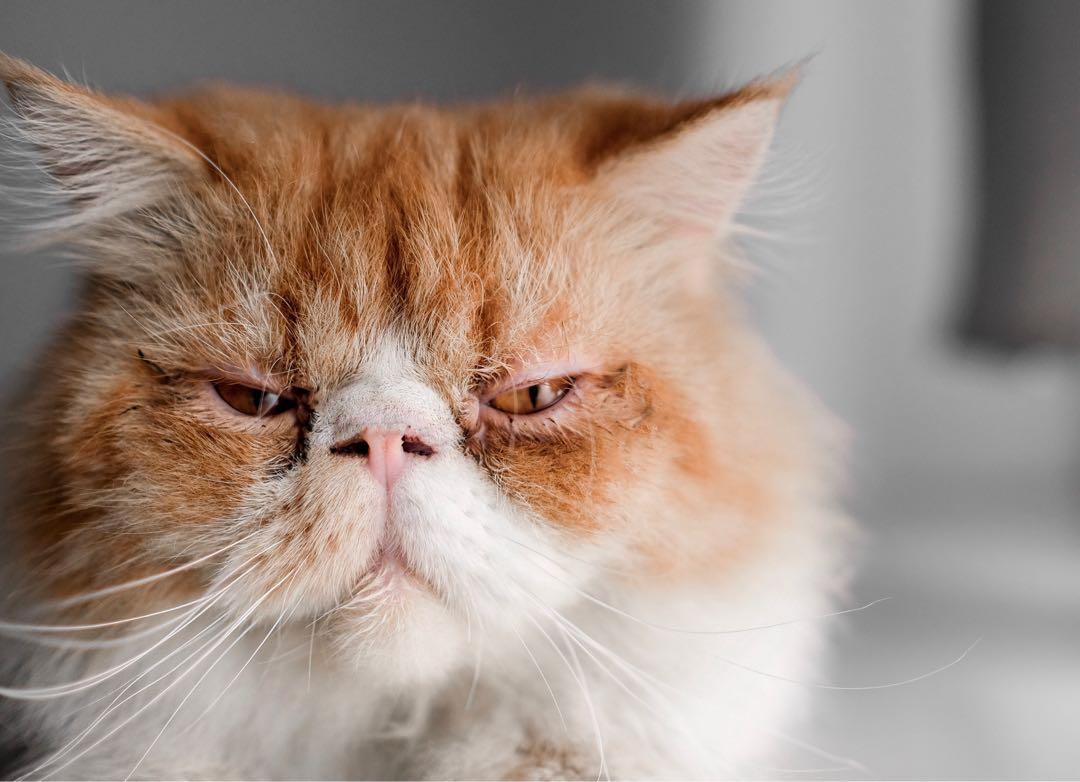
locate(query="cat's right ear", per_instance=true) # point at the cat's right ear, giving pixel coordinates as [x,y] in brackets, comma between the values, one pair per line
[105,158]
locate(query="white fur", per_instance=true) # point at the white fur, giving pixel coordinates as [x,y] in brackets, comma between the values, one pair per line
[512,647]
[526,651]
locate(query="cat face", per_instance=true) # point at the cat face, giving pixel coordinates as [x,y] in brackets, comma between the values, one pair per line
[376,366]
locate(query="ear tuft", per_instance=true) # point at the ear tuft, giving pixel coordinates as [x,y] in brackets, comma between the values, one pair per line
[105,157]
[690,164]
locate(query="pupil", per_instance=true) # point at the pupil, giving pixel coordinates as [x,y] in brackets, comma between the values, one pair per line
[262,401]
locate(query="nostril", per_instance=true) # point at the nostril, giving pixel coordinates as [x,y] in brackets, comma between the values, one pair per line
[415,445]
[358,447]
[361,446]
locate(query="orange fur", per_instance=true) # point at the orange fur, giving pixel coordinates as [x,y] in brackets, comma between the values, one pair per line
[442,223]
[288,239]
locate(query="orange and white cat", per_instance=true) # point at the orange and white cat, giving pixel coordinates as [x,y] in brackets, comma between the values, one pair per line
[405,441]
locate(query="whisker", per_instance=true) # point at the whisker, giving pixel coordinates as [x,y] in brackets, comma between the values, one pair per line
[185,699]
[229,182]
[848,763]
[186,644]
[180,648]
[544,678]
[475,677]
[247,662]
[578,675]
[41,628]
[863,688]
[111,590]
[120,700]
[70,688]
[60,690]
[240,621]
[311,655]
[644,676]
[569,630]
[603,771]
[688,631]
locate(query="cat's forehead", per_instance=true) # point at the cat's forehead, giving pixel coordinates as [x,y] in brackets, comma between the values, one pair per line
[437,227]
[301,232]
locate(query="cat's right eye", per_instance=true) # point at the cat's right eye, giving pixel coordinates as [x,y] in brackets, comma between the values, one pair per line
[253,401]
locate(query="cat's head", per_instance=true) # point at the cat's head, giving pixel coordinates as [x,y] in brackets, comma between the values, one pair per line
[418,371]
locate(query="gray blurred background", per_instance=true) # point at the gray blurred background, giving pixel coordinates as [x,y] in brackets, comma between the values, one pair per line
[964,452]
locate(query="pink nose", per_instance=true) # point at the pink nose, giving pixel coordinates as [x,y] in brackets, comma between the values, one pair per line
[387,451]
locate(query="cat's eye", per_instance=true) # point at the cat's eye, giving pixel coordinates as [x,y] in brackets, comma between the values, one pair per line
[253,401]
[532,398]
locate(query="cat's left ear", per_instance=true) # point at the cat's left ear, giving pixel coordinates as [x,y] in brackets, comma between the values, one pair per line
[689,165]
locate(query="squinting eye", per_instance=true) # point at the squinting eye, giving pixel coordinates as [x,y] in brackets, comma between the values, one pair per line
[253,401]
[532,399]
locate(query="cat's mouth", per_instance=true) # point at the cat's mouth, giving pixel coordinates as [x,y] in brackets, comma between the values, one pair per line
[391,566]
[391,571]
[387,585]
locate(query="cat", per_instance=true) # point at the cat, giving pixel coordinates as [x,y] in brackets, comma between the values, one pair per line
[407,442]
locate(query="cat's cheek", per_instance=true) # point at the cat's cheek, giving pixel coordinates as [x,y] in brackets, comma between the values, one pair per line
[199,474]
[572,481]
[488,557]
[315,531]
[572,467]
[163,469]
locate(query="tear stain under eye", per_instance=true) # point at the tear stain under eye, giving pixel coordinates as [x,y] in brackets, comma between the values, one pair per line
[473,442]
[305,422]
[306,417]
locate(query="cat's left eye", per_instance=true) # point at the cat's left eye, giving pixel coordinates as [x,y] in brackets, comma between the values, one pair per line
[532,398]
[253,401]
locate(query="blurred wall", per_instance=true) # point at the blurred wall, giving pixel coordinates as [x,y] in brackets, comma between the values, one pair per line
[872,178]
[863,303]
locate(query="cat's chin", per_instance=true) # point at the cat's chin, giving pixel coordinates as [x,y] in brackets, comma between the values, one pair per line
[397,629]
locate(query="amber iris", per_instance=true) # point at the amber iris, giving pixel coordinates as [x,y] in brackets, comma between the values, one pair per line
[253,401]
[532,398]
